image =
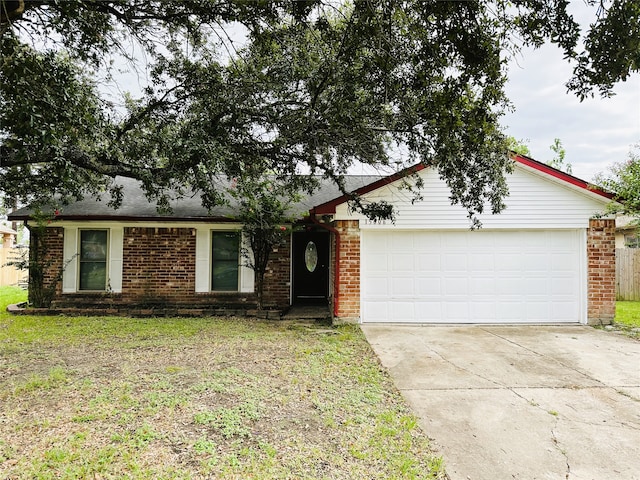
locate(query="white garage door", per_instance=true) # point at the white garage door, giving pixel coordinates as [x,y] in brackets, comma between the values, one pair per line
[472,276]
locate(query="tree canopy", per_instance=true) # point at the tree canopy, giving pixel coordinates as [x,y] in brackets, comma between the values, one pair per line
[312,86]
[623,179]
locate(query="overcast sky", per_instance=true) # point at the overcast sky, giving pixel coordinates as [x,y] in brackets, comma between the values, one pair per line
[595,133]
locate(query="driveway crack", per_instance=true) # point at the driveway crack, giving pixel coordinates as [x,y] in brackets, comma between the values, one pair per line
[567,366]
[558,447]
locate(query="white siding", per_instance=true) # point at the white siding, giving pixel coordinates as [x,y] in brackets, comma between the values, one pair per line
[535,201]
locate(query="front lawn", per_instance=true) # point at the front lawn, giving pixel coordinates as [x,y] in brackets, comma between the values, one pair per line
[628,313]
[198,398]
[628,318]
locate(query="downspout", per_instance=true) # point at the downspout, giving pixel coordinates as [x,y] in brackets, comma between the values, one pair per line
[336,275]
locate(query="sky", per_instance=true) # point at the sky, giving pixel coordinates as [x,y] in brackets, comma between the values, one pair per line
[595,133]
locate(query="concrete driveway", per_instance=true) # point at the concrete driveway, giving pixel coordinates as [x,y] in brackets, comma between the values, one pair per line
[524,402]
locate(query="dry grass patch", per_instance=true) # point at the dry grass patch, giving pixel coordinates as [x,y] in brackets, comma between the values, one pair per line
[199,398]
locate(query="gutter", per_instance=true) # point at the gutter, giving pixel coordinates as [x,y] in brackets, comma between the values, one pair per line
[336,275]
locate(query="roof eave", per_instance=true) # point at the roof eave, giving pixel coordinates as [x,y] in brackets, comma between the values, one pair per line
[129,218]
[329,208]
[560,175]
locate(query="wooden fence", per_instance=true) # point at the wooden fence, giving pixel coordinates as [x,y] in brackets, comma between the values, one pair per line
[10,275]
[628,274]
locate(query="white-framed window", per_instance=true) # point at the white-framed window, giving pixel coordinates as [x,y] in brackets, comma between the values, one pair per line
[219,263]
[93,260]
[225,261]
[632,240]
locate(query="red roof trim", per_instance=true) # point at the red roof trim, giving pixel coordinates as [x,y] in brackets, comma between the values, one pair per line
[328,208]
[559,174]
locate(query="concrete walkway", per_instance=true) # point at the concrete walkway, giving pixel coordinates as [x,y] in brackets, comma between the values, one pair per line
[521,402]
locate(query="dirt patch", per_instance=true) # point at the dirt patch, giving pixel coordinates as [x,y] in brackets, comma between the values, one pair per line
[225,399]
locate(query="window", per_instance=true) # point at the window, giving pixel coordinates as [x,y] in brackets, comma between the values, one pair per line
[225,261]
[632,241]
[93,260]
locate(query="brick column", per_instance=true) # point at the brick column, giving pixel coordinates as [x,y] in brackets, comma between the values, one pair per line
[348,277]
[601,275]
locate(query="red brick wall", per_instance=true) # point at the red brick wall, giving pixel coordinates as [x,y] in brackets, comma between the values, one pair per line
[349,274]
[50,254]
[277,279]
[601,283]
[159,264]
[159,269]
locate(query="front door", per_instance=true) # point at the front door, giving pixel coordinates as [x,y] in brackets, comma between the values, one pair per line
[311,267]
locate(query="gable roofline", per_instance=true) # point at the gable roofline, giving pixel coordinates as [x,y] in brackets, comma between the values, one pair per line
[329,207]
[560,175]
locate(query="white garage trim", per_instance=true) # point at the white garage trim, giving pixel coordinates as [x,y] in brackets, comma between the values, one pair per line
[484,276]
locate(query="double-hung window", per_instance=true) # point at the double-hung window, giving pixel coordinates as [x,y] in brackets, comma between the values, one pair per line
[93,260]
[225,261]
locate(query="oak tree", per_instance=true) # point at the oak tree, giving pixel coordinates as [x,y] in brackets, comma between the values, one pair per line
[310,86]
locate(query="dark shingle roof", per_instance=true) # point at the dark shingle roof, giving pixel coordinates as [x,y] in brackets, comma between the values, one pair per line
[135,205]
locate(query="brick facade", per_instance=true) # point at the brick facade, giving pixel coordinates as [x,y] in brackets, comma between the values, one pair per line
[158,271]
[601,271]
[277,279]
[159,264]
[348,309]
[49,254]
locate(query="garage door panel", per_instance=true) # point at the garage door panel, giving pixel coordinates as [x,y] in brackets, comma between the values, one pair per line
[456,286]
[376,311]
[456,311]
[563,263]
[429,311]
[481,263]
[378,287]
[483,310]
[426,286]
[472,277]
[538,285]
[455,263]
[511,285]
[482,286]
[427,261]
[402,262]
[403,243]
[537,311]
[540,262]
[563,286]
[403,287]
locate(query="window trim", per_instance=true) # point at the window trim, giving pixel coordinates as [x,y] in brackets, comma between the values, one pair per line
[632,240]
[238,234]
[107,260]
[246,280]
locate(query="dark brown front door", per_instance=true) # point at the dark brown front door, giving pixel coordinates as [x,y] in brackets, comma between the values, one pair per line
[311,267]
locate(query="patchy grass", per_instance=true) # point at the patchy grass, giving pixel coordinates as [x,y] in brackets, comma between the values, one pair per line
[11,295]
[199,398]
[628,313]
[627,318]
